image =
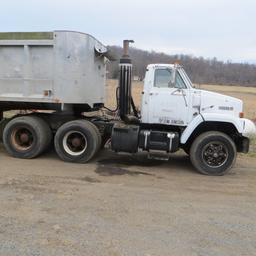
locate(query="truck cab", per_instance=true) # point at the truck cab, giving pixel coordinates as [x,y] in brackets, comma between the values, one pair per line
[169,98]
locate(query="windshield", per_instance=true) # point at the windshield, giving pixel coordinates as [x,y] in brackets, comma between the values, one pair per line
[185,76]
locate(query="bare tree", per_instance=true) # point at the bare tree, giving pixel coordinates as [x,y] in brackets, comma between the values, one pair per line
[201,70]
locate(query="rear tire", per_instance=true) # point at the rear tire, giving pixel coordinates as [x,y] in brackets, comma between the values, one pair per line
[27,137]
[77,141]
[213,153]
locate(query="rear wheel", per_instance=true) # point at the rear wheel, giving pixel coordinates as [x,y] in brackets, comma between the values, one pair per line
[77,141]
[26,136]
[213,153]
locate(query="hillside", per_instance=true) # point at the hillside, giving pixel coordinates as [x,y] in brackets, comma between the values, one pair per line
[200,70]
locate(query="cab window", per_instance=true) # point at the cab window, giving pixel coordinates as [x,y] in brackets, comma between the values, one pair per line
[163,78]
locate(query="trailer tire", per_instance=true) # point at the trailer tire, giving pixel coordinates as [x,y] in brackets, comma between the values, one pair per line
[77,141]
[27,137]
[213,153]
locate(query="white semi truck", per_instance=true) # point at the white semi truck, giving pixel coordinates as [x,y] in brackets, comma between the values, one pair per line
[61,75]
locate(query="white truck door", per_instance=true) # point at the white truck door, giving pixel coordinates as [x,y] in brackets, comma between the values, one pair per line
[169,98]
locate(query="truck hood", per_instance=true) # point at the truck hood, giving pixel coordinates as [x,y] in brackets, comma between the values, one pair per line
[212,102]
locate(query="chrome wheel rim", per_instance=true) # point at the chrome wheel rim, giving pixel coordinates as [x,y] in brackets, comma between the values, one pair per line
[215,154]
[75,143]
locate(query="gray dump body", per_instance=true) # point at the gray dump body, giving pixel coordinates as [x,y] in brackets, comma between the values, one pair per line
[52,67]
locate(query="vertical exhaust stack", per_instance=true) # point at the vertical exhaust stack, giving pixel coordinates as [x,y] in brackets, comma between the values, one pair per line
[125,81]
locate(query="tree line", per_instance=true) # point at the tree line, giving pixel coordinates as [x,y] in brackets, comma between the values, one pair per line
[199,69]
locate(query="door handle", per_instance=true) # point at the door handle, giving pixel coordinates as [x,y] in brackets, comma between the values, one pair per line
[153,93]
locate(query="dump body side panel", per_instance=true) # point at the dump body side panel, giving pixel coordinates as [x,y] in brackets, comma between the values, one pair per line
[51,67]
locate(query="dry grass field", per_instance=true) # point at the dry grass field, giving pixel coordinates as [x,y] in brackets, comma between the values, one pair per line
[247,94]
[137,88]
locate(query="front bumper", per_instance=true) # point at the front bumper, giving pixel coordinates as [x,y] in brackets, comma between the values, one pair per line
[249,128]
[248,132]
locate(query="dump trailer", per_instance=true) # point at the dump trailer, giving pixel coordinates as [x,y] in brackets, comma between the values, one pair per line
[58,79]
[54,70]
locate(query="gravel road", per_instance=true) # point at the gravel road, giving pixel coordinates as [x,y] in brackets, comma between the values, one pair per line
[123,205]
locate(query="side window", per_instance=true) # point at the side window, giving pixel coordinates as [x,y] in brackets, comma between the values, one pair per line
[163,78]
[179,83]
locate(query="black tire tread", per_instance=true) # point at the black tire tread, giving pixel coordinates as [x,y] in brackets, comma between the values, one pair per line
[99,138]
[43,131]
[46,133]
[77,123]
[196,162]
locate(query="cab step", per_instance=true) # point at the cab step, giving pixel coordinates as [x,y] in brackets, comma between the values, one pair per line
[161,156]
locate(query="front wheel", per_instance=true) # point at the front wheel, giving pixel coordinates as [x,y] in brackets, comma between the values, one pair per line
[213,153]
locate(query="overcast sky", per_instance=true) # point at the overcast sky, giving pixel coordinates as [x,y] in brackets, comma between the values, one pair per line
[208,28]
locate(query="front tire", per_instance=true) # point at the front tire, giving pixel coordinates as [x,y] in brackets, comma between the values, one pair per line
[77,141]
[213,153]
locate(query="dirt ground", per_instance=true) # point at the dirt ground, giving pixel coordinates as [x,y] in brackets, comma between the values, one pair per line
[123,205]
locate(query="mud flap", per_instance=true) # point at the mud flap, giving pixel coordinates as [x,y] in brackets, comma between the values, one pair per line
[243,145]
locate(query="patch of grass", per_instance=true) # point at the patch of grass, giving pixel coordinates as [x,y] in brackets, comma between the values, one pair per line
[251,154]
[252,151]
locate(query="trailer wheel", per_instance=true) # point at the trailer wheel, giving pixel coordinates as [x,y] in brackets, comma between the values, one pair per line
[27,137]
[213,153]
[77,141]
